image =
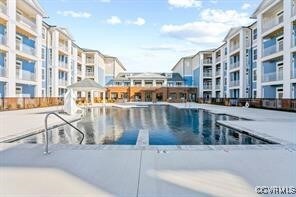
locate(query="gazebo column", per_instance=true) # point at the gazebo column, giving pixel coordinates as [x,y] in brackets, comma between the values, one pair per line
[91,97]
[104,97]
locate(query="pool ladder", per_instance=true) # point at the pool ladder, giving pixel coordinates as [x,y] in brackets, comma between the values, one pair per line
[47,129]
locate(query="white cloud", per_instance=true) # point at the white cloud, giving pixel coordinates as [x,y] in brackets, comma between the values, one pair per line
[139,21]
[74,14]
[185,3]
[245,6]
[113,20]
[209,29]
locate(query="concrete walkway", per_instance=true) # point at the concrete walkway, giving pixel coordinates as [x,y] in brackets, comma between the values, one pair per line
[91,171]
[21,122]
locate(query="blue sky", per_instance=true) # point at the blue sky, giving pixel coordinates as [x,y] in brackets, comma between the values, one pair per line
[149,35]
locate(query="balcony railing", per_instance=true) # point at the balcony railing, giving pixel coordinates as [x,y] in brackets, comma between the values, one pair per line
[273,49]
[63,82]
[63,47]
[25,75]
[207,61]
[63,64]
[274,76]
[90,61]
[24,20]
[207,74]
[218,59]
[293,11]
[218,72]
[234,83]
[3,71]
[79,72]
[3,8]
[293,74]
[25,48]
[268,24]
[89,74]
[79,59]
[207,86]
[234,65]
[234,47]
[3,39]
[217,87]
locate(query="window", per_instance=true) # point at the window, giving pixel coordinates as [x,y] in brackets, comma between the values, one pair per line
[254,34]
[43,33]
[225,51]
[254,93]
[43,74]
[255,54]
[254,75]
[43,53]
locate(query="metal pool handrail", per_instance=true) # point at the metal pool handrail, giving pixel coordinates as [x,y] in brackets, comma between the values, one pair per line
[46,129]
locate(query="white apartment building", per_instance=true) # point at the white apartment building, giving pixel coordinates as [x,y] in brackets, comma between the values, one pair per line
[276,65]
[185,68]
[112,68]
[20,48]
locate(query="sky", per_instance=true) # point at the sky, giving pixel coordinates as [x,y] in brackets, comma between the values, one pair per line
[149,35]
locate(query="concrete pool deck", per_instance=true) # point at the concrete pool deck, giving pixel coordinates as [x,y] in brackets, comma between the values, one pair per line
[110,170]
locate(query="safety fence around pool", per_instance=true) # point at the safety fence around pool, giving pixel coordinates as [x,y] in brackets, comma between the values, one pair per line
[265,103]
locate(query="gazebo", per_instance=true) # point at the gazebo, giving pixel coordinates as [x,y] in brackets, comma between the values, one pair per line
[88,85]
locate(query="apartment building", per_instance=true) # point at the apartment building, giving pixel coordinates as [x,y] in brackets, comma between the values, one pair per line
[276,27]
[185,69]
[112,68]
[20,48]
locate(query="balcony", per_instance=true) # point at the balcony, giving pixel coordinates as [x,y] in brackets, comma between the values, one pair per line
[3,71]
[234,65]
[26,21]
[269,24]
[63,47]
[234,47]
[293,11]
[79,59]
[207,74]
[234,83]
[207,86]
[90,61]
[63,64]
[79,72]
[63,82]
[217,87]
[218,59]
[3,39]
[25,48]
[207,61]
[273,49]
[274,76]
[293,74]
[89,73]
[218,72]
[25,75]
[3,8]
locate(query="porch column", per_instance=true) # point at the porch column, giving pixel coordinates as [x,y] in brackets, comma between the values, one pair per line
[104,97]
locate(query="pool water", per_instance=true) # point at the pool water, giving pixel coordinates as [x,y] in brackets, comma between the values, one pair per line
[167,125]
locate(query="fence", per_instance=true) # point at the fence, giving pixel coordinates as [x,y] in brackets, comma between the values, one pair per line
[276,104]
[15,103]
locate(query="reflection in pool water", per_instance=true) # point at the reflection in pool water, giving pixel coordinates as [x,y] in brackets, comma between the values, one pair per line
[167,126]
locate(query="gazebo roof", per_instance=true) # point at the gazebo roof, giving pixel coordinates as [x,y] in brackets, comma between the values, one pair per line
[86,85]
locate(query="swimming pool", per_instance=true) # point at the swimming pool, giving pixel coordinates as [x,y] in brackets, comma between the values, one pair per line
[166,125]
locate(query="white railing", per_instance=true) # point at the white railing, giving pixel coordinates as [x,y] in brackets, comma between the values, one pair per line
[79,59]
[293,74]
[24,20]
[25,75]
[234,83]
[218,86]
[234,65]
[207,74]
[234,47]
[218,59]
[25,48]
[207,61]
[63,47]
[293,11]
[218,72]
[3,8]
[62,82]
[274,76]
[63,64]
[268,24]
[79,72]
[23,95]
[90,61]
[207,86]
[3,71]
[273,49]
[89,74]
[3,39]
